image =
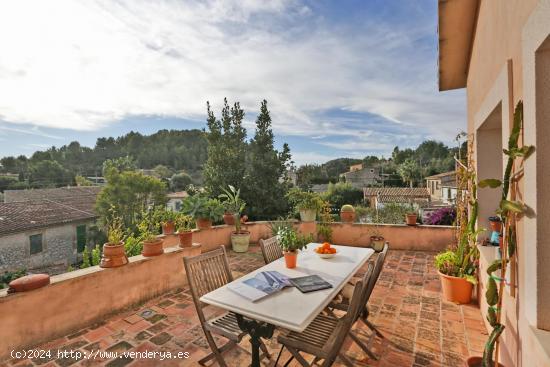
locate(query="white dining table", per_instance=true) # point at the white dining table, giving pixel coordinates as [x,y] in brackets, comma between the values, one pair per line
[289,308]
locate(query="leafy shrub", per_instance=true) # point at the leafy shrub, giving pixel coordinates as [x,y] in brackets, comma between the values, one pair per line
[8,276]
[85,258]
[96,255]
[442,217]
[342,193]
[391,213]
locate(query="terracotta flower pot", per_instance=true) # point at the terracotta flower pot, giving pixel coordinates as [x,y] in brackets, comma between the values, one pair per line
[152,248]
[457,290]
[203,223]
[229,219]
[411,219]
[476,362]
[377,243]
[168,227]
[29,283]
[113,255]
[347,217]
[290,258]
[186,238]
[240,241]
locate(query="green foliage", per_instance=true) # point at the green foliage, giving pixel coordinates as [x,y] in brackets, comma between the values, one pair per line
[96,255]
[304,200]
[324,230]
[162,172]
[184,223]
[342,193]
[409,171]
[390,213]
[490,182]
[226,137]
[281,223]
[49,173]
[85,258]
[290,240]
[133,245]
[162,215]
[82,181]
[347,208]
[233,204]
[8,276]
[263,189]
[148,227]
[121,164]
[200,206]
[180,181]
[115,229]
[128,194]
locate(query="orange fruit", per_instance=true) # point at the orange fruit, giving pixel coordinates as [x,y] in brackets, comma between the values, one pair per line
[332,250]
[326,245]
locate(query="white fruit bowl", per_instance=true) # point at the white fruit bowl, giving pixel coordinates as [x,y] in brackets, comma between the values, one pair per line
[327,256]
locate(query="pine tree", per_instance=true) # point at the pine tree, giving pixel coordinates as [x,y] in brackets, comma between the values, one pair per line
[266,182]
[226,149]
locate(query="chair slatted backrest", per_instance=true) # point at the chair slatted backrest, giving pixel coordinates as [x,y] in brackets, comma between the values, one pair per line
[205,273]
[271,250]
[379,265]
[355,307]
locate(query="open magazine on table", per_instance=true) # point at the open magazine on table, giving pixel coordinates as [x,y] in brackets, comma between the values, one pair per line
[261,285]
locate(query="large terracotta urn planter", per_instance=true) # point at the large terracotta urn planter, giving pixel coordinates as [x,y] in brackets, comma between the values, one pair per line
[153,248]
[347,217]
[186,238]
[377,243]
[477,362]
[168,227]
[203,223]
[290,258]
[411,218]
[113,255]
[229,219]
[457,290]
[240,241]
[308,215]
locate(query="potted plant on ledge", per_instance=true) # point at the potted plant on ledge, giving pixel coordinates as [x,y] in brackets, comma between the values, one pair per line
[240,239]
[411,216]
[184,226]
[113,254]
[291,242]
[347,213]
[203,210]
[152,244]
[306,203]
[167,221]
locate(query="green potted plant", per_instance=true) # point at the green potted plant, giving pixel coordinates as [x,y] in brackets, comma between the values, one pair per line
[291,242]
[203,210]
[167,220]
[240,239]
[114,254]
[152,243]
[184,225]
[411,216]
[306,203]
[347,213]
[228,214]
[377,241]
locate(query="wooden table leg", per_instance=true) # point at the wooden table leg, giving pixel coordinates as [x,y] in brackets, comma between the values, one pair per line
[256,330]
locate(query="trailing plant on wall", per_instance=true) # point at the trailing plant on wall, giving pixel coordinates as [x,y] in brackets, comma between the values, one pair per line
[509,211]
[461,260]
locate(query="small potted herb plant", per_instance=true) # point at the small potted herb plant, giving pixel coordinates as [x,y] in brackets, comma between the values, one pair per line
[291,242]
[306,203]
[457,275]
[411,216]
[203,210]
[113,254]
[228,214]
[347,213]
[167,221]
[184,226]
[240,239]
[152,244]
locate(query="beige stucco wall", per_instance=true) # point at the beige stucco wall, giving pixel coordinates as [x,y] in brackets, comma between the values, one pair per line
[79,298]
[503,70]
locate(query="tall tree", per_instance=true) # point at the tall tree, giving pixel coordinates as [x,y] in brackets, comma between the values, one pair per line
[409,170]
[266,182]
[226,163]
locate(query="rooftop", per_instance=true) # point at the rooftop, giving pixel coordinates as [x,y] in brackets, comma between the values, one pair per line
[420,328]
[419,192]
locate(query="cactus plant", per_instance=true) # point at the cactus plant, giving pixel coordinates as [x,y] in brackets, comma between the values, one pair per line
[347,208]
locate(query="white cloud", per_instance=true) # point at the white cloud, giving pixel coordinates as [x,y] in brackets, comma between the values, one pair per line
[85,64]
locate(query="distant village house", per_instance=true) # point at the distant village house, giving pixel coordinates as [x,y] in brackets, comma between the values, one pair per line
[360,177]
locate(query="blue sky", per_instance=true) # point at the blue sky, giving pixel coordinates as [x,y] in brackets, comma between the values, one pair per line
[343,78]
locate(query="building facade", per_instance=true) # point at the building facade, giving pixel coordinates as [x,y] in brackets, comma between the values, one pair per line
[360,177]
[442,187]
[500,52]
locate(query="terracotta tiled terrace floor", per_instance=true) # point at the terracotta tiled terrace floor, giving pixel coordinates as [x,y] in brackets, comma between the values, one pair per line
[419,328]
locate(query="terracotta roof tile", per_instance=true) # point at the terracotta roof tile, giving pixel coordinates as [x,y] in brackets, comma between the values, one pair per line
[407,192]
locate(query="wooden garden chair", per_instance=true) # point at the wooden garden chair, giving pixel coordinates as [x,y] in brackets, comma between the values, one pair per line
[271,250]
[343,303]
[325,335]
[205,273]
